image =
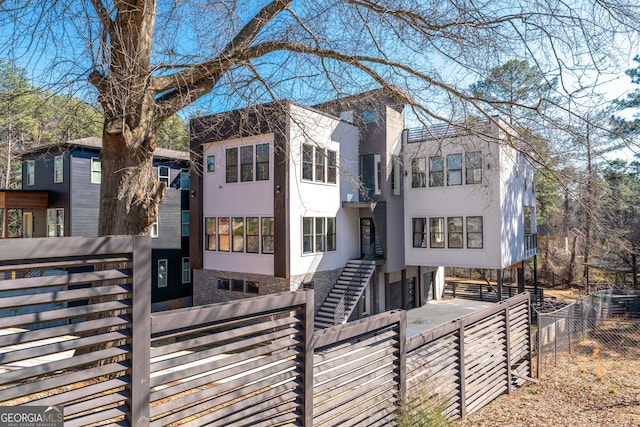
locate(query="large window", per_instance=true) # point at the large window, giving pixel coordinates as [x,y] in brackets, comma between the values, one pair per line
[454,232]
[154,231]
[211,240]
[232,165]
[419,172]
[185,181]
[319,164]
[246,163]
[223,234]
[58,169]
[419,232]
[163,266]
[474,232]
[237,225]
[454,169]
[164,175]
[473,167]
[96,171]
[436,171]
[186,270]
[55,222]
[436,232]
[185,222]
[31,172]
[267,235]
[370,173]
[318,234]
[262,162]
[253,235]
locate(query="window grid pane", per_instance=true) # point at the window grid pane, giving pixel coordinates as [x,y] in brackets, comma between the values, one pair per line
[246,163]
[262,162]
[238,234]
[419,232]
[162,273]
[320,164]
[185,223]
[223,234]
[474,232]
[418,172]
[253,235]
[31,172]
[267,235]
[331,167]
[307,162]
[454,232]
[320,235]
[331,234]
[436,238]
[473,167]
[454,169]
[211,163]
[186,270]
[436,172]
[307,235]
[96,171]
[211,235]
[232,165]
[58,171]
[163,174]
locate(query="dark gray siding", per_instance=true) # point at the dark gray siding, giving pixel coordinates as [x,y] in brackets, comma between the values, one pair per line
[85,203]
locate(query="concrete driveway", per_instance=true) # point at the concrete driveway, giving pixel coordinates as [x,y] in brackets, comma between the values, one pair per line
[437,312]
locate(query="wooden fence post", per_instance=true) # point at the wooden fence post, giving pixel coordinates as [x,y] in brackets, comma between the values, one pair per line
[463,391]
[307,385]
[507,334]
[402,354]
[141,332]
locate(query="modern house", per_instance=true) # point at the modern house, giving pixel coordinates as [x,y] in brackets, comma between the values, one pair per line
[60,197]
[289,197]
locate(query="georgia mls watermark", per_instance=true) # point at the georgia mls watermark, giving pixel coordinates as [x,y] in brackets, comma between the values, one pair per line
[31,416]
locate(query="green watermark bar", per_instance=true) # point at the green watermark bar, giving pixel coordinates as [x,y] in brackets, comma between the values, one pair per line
[31,416]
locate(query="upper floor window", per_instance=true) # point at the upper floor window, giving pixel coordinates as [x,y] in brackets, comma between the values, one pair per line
[267,235]
[318,234]
[186,270]
[246,163]
[262,162]
[31,172]
[436,171]
[55,222]
[153,232]
[436,232]
[231,165]
[223,234]
[473,167]
[371,173]
[163,266]
[211,163]
[454,169]
[419,172]
[237,230]
[58,169]
[474,232]
[419,232]
[252,162]
[239,234]
[185,180]
[370,115]
[163,174]
[454,232]
[319,164]
[96,171]
[185,223]
[211,232]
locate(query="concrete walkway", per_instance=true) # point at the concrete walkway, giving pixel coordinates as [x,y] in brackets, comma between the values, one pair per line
[438,312]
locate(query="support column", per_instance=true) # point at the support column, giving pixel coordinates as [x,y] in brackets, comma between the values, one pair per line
[499,280]
[403,288]
[535,274]
[520,271]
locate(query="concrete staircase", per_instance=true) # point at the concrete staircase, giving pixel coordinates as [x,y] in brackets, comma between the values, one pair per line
[345,294]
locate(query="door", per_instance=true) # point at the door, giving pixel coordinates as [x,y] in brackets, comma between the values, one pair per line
[27,224]
[367,238]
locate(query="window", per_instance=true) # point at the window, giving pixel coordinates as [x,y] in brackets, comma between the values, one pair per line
[153,232]
[436,172]
[55,222]
[237,285]
[223,284]
[262,162]
[454,169]
[163,174]
[185,181]
[370,115]
[331,167]
[232,165]
[474,232]
[237,226]
[253,235]
[307,235]
[211,163]
[320,235]
[454,232]
[370,173]
[528,214]
[31,172]
[253,287]
[223,234]
[473,167]
[307,162]
[58,169]
[211,239]
[331,234]
[396,175]
[267,236]
[163,265]
[96,171]
[185,222]
[419,232]
[186,270]
[436,232]
[419,172]
[320,164]
[246,163]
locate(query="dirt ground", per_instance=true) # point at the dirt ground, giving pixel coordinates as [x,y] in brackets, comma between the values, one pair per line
[586,390]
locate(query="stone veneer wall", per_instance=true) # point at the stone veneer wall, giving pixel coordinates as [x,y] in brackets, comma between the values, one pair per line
[205,285]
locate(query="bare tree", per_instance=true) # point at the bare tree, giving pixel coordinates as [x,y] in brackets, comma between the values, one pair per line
[148,59]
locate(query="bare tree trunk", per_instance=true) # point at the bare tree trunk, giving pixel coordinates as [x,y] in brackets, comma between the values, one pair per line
[588,213]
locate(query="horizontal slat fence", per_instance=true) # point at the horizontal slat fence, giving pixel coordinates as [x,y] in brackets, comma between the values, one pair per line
[71,335]
[67,325]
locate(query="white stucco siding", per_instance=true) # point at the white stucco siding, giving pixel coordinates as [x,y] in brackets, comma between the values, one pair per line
[512,179]
[236,199]
[321,199]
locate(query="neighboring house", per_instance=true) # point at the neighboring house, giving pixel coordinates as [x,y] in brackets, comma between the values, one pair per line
[469,198]
[60,196]
[292,197]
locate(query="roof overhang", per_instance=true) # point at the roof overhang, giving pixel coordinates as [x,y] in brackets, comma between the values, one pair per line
[360,205]
[21,199]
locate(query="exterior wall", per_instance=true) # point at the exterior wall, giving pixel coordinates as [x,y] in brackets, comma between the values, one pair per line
[464,200]
[85,195]
[314,199]
[239,199]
